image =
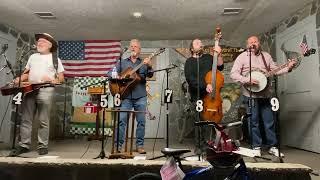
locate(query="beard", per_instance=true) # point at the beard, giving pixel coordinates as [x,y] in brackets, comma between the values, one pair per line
[133,54]
[198,51]
[257,50]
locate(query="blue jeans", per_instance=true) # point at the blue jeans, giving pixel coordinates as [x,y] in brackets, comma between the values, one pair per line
[137,105]
[261,108]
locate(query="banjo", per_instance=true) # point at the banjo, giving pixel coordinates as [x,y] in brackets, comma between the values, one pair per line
[262,77]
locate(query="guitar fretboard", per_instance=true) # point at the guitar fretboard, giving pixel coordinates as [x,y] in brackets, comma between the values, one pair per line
[150,57]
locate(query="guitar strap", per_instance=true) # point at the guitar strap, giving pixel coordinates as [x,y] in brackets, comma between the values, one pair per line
[265,63]
[55,61]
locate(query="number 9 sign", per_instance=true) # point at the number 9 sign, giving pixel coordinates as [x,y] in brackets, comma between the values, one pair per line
[275,104]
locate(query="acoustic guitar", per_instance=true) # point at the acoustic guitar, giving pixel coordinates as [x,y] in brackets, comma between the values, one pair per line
[25,87]
[212,103]
[129,78]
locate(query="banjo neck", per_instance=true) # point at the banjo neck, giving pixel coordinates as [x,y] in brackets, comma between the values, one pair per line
[274,71]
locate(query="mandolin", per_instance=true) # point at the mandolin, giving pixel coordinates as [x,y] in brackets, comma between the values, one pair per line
[212,102]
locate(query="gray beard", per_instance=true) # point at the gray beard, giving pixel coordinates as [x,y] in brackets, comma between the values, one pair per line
[133,54]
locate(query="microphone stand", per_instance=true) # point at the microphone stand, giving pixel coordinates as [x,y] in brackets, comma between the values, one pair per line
[249,115]
[102,153]
[198,98]
[167,107]
[276,119]
[17,106]
[8,64]
[251,103]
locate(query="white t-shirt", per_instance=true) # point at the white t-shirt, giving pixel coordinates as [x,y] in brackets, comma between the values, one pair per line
[41,66]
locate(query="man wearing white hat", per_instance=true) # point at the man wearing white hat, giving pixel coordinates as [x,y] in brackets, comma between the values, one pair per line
[42,67]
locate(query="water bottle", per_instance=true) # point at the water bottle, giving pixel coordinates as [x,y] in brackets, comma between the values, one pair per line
[114,73]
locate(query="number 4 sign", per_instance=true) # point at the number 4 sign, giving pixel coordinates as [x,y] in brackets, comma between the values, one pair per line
[17,98]
[168,96]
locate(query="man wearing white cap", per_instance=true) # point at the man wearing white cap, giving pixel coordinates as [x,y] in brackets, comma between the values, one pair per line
[42,67]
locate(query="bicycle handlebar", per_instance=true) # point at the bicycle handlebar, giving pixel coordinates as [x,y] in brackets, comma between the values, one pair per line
[218,126]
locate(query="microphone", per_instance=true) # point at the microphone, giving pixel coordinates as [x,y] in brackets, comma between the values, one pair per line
[4,49]
[33,47]
[125,49]
[252,47]
[173,65]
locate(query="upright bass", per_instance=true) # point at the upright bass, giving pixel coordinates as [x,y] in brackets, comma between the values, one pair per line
[212,102]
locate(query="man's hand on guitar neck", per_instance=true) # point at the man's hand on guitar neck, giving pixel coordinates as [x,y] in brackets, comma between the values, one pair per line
[147,61]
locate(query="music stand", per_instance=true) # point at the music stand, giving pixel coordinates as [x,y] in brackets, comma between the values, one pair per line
[102,153]
[116,119]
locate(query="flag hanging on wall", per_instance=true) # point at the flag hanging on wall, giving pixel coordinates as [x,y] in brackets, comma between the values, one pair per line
[93,58]
[304,45]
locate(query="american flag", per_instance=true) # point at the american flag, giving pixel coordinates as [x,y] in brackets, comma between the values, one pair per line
[303,45]
[93,58]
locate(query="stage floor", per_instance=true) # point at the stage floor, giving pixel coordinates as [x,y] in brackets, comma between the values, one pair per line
[80,148]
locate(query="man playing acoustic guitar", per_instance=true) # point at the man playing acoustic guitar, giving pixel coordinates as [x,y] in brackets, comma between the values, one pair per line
[137,97]
[42,67]
[261,61]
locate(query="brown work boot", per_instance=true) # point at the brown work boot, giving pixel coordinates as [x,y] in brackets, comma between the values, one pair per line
[140,150]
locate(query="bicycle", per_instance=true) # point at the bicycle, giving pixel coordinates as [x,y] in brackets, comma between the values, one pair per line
[220,154]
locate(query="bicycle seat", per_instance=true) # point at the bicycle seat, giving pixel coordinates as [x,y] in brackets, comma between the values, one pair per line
[174,152]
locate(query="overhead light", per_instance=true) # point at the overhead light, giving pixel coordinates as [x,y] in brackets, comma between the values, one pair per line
[231,11]
[45,15]
[137,14]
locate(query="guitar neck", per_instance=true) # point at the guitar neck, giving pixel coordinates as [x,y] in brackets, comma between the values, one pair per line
[141,64]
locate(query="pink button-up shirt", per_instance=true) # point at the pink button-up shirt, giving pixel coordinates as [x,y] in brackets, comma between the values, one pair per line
[241,68]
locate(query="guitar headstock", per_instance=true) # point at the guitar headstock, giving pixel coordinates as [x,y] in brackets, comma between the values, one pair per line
[218,34]
[156,53]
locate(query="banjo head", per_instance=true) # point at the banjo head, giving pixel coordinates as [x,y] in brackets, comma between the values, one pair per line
[259,76]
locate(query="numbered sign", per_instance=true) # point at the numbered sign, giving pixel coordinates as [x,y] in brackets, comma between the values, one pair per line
[117,100]
[104,100]
[199,106]
[17,98]
[274,104]
[168,96]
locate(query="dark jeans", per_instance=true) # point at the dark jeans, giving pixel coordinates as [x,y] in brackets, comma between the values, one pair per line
[138,105]
[261,108]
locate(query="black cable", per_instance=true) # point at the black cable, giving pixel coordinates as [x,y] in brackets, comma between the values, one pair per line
[155,140]
[5,113]
[86,150]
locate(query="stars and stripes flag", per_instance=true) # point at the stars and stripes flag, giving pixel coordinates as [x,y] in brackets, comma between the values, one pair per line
[93,58]
[303,45]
